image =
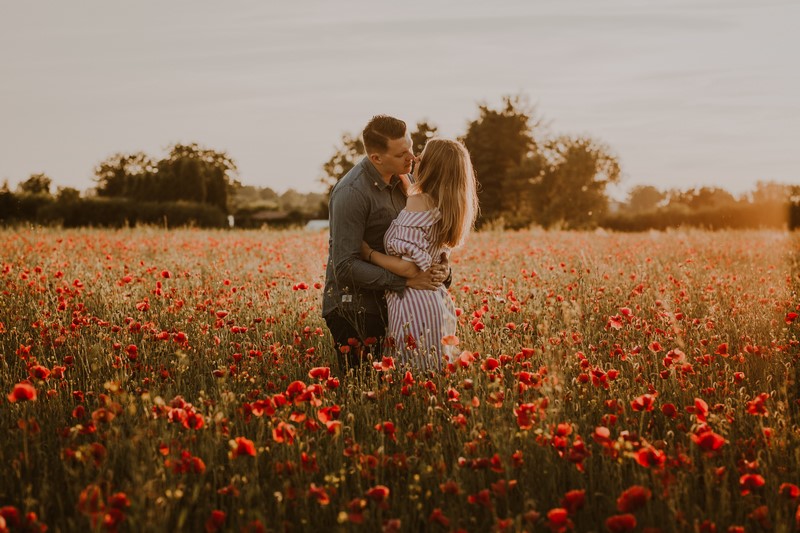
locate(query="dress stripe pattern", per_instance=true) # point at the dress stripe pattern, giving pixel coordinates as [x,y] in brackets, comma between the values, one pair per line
[418,319]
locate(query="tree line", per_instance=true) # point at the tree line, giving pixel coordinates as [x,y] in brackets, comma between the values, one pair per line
[527,177]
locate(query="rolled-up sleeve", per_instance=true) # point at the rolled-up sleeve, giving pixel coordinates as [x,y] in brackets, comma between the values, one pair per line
[349,213]
[410,244]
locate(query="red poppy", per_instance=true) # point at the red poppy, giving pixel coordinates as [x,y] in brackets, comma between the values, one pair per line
[645,402]
[284,433]
[574,500]
[621,523]
[319,493]
[750,482]
[438,517]
[215,521]
[650,457]
[378,493]
[22,392]
[243,446]
[320,372]
[706,439]
[756,406]
[789,490]
[633,499]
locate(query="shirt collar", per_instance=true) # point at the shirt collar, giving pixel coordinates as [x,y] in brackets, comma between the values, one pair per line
[375,177]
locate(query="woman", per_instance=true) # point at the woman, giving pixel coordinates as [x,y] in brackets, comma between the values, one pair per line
[439,214]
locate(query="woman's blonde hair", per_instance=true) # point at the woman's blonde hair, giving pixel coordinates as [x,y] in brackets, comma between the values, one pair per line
[445,173]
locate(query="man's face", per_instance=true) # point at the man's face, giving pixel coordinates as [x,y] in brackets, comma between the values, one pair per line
[399,156]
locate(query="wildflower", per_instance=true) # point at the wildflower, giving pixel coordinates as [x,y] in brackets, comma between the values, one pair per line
[215,521]
[750,482]
[242,446]
[633,498]
[621,523]
[438,517]
[22,392]
[650,457]
[645,402]
[789,490]
[574,501]
[378,493]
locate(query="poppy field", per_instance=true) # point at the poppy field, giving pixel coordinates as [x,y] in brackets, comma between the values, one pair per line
[184,380]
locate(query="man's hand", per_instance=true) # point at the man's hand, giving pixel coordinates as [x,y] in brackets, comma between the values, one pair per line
[429,280]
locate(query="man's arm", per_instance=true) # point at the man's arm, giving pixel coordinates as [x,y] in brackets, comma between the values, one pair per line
[348,216]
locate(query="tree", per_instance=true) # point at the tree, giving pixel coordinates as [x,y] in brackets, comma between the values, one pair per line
[499,142]
[570,192]
[120,174]
[345,157]
[188,173]
[703,198]
[68,195]
[191,172]
[770,192]
[36,184]
[643,198]
[423,133]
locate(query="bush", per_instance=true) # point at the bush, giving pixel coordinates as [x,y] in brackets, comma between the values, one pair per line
[774,215]
[117,212]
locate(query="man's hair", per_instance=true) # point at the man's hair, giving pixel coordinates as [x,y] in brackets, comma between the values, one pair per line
[379,131]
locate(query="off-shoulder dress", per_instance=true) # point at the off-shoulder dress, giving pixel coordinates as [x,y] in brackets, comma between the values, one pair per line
[419,319]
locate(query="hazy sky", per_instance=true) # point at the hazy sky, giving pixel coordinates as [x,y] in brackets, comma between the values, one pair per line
[686,93]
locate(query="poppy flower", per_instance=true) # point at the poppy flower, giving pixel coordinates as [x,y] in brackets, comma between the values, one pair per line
[574,500]
[242,446]
[438,517]
[645,402]
[789,490]
[450,340]
[633,499]
[621,523]
[320,372]
[378,493]
[215,521]
[650,457]
[22,392]
[750,482]
[708,440]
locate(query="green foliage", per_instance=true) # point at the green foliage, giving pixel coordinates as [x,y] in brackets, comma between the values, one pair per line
[188,173]
[570,193]
[345,157]
[35,184]
[737,215]
[122,212]
[644,198]
[499,141]
[22,207]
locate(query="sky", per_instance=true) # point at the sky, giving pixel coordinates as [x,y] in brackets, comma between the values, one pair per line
[685,93]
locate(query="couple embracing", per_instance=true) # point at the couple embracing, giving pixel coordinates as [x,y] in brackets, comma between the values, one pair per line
[391,234]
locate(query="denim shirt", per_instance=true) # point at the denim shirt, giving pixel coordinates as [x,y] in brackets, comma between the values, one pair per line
[361,208]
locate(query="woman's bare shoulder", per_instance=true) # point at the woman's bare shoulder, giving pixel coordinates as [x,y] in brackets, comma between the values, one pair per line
[419,202]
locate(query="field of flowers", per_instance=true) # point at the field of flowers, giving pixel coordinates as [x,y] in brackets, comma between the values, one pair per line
[185,381]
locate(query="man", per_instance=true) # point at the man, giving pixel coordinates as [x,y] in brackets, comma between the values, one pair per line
[362,205]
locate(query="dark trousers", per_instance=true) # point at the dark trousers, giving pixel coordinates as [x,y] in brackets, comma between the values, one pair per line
[356,339]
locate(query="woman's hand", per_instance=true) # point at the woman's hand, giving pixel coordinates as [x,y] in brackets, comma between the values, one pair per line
[365,250]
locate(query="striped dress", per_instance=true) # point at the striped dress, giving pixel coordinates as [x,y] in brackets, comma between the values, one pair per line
[418,319]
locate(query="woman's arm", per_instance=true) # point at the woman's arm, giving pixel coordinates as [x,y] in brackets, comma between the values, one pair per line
[394,264]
